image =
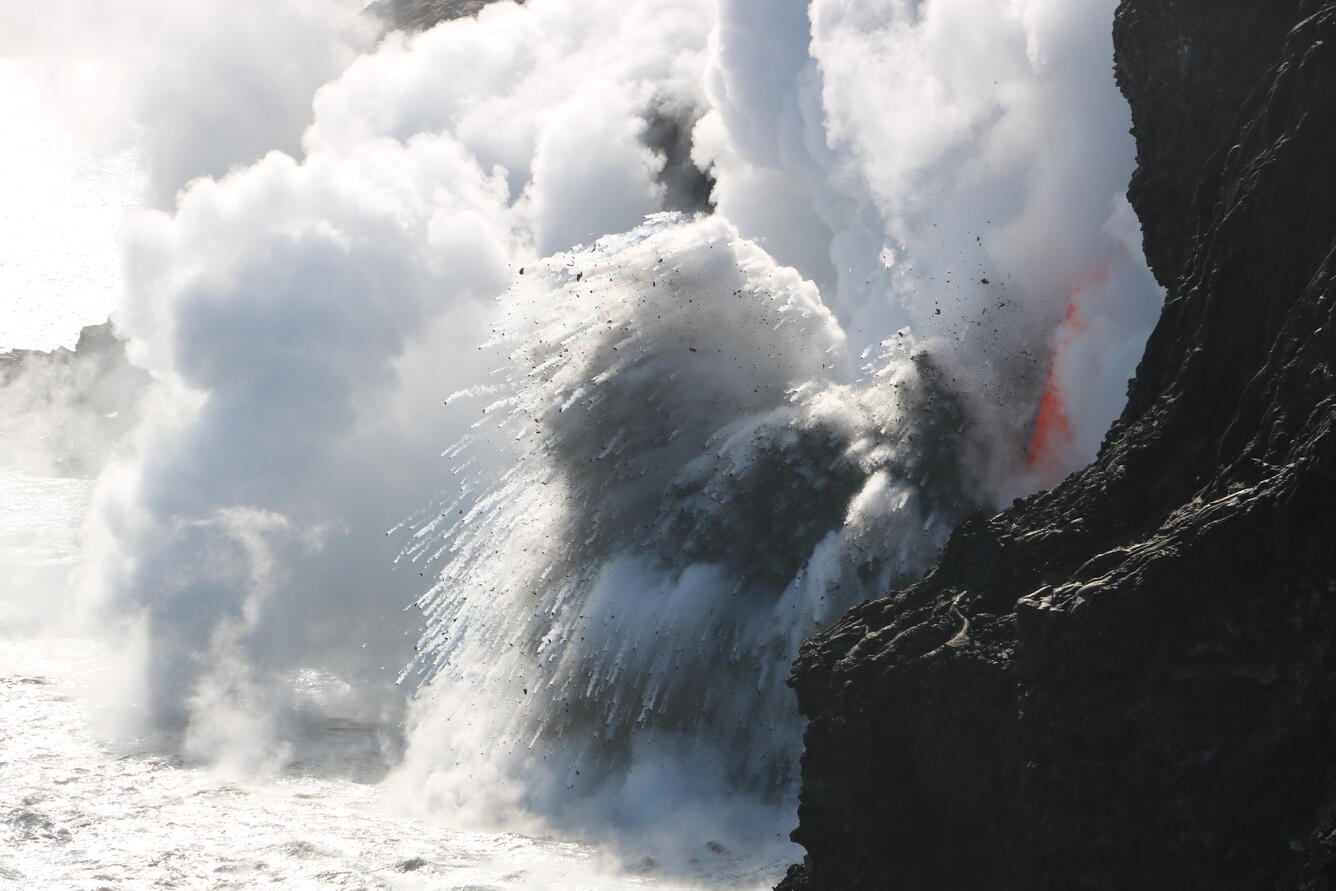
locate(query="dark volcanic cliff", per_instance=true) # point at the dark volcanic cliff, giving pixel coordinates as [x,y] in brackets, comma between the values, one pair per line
[1129,682]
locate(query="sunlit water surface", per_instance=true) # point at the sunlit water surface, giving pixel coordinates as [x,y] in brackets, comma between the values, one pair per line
[62,205]
[77,812]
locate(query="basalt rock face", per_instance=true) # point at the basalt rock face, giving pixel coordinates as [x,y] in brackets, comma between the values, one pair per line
[1129,682]
[1187,67]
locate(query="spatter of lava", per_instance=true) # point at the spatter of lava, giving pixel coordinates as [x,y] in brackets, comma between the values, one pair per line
[1053,427]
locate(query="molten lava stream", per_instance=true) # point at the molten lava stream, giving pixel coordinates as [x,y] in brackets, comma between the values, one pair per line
[1053,427]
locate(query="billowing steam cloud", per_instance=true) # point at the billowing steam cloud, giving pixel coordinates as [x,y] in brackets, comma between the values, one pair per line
[198,88]
[920,292]
[306,319]
[700,485]
[955,166]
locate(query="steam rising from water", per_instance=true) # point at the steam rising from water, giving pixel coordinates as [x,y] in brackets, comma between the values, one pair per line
[699,484]
[702,439]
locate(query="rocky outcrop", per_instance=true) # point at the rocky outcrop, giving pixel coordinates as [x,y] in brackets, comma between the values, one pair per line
[62,412]
[1129,682]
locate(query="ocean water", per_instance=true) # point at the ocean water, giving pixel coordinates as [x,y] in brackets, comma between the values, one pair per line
[39,547]
[80,812]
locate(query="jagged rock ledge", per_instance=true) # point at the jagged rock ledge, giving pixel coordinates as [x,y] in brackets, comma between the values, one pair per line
[1129,682]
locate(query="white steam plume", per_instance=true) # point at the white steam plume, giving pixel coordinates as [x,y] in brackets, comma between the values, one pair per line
[957,166]
[949,166]
[198,88]
[700,486]
[708,437]
[304,319]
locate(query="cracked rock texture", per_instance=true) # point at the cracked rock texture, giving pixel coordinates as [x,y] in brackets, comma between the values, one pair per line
[1129,682]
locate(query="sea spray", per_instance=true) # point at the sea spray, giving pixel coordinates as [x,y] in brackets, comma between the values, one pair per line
[703,475]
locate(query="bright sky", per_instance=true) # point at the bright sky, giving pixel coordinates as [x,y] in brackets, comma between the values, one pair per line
[62,204]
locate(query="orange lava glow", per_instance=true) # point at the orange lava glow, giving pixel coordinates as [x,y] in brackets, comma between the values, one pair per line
[1053,427]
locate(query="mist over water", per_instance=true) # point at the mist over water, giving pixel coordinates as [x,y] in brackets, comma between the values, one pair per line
[700,481]
[680,432]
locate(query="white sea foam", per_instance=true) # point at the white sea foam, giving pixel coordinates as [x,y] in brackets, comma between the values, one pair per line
[75,813]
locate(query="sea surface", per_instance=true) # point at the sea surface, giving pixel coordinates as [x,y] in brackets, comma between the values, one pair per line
[81,811]
[63,205]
